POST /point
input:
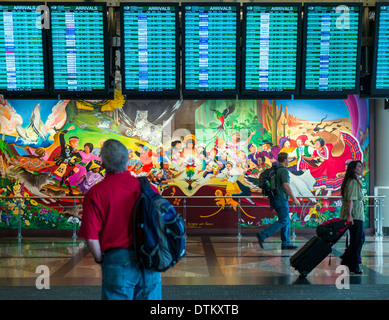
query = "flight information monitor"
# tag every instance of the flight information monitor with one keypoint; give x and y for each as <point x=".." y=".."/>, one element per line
<point x="211" y="42"/>
<point x="79" y="50"/>
<point x="150" y="50"/>
<point x="22" y="50"/>
<point x="331" y="50"/>
<point x="380" y="70"/>
<point x="271" y="49"/>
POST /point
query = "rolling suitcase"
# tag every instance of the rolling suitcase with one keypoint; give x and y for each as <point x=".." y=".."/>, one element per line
<point x="310" y="255"/>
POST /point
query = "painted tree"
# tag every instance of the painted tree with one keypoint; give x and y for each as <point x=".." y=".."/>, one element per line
<point x="272" y="115"/>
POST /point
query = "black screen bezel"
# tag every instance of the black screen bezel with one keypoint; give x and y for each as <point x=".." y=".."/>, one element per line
<point x="93" y="94"/>
<point x="308" y="93"/>
<point x="199" y="94"/>
<point x="34" y="93"/>
<point x="140" y="94"/>
<point x="268" y="94"/>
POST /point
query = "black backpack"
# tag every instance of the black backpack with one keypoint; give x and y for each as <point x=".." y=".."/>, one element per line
<point x="268" y="182"/>
<point x="332" y="230"/>
<point x="159" y="231"/>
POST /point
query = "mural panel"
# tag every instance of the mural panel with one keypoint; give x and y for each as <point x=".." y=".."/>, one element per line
<point x="204" y="150"/>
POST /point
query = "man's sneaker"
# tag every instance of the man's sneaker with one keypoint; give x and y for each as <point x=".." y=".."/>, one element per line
<point x="288" y="247"/>
<point x="260" y="241"/>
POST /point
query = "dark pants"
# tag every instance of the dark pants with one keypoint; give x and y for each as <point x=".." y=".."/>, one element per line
<point x="351" y="256"/>
<point x="283" y="222"/>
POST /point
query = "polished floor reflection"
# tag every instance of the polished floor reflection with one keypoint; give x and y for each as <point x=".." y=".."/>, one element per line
<point x="210" y="261"/>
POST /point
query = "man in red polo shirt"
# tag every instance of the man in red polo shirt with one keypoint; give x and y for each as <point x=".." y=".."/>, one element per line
<point x="107" y="226"/>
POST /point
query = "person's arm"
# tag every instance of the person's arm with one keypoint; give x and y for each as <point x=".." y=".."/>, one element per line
<point x="350" y="212"/>
<point x="91" y="226"/>
<point x="307" y="158"/>
<point x="351" y="194"/>
<point x="95" y="249"/>
<point x="289" y="192"/>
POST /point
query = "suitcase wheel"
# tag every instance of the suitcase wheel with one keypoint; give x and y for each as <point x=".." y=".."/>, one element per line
<point x="303" y="274"/>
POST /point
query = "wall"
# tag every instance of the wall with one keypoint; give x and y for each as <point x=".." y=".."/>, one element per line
<point x="239" y="131"/>
<point x="382" y="154"/>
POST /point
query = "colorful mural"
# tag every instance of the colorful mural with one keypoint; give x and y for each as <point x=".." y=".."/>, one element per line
<point x="206" y="150"/>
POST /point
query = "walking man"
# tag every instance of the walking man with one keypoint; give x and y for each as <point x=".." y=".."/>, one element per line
<point x="279" y="204"/>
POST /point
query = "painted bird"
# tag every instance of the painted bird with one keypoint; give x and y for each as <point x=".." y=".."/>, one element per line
<point x="222" y="116"/>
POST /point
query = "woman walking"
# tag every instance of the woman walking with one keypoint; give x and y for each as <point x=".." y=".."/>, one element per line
<point x="353" y="211"/>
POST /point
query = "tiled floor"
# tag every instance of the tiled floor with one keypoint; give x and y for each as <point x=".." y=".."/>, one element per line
<point x="210" y="261"/>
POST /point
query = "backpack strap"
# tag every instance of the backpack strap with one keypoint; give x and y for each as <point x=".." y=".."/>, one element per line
<point x="144" y="182"/>
<point x="135" y="227"/>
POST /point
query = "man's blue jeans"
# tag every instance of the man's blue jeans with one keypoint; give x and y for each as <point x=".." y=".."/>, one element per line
<point x="123" y="280"/>
<point x="283" y="222"/>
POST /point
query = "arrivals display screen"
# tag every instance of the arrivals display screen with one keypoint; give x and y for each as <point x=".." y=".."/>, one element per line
<point x="22" y="50"/>
<point x="210" y="42"/>
<point x="79" y="50"/>
<point x="271" y="49"/>
<point x="331" y="49"/>
<point x="150" y="50"/>
<point x="380" y="70"/>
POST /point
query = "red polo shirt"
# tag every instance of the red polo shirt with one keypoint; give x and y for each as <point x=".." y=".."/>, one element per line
<point x="108" y="211"/>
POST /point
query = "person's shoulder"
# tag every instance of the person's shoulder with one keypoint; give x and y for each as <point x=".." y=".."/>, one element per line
<point x="353" y="183"/>
<point x="280" y="168"/>
<point x="131" y="179"/>
<point x="282" y="172"/>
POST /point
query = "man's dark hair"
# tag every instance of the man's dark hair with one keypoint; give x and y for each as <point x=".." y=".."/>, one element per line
<point x="282" y="156"/>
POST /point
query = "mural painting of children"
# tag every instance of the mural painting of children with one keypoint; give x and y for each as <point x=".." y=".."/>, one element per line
<point x="91" y="177"/>
<point x="87" y="156"/>
<point x="242" y="161"/>
<point x="322" y="168"/>
<point x="133" y="165"/>
<point x="145" y="156"/>
<point x="252" y="159"/>
<point x="189" y="150"/>
<point x="236" y="144"/>
<point x="66" y="156"/>
<point x="167" y="174"/>
<point x="302" y="150"/>
<point x="161" y="156"/>
<point x="287" y="148"/>
<point x="269" y="151"/>
<point x="234" y="186"/>
<point x="203" y="160"/>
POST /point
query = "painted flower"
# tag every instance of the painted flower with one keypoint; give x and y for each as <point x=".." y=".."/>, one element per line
<point x="27" y="222"/>
<point x="326" y="203"/>
<point x="5" y="217"/>
<point x="11" y="205"/>
<point x="338" y="203"/>
<point x="73" y="220"/>
<point x="324" y="209"/>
